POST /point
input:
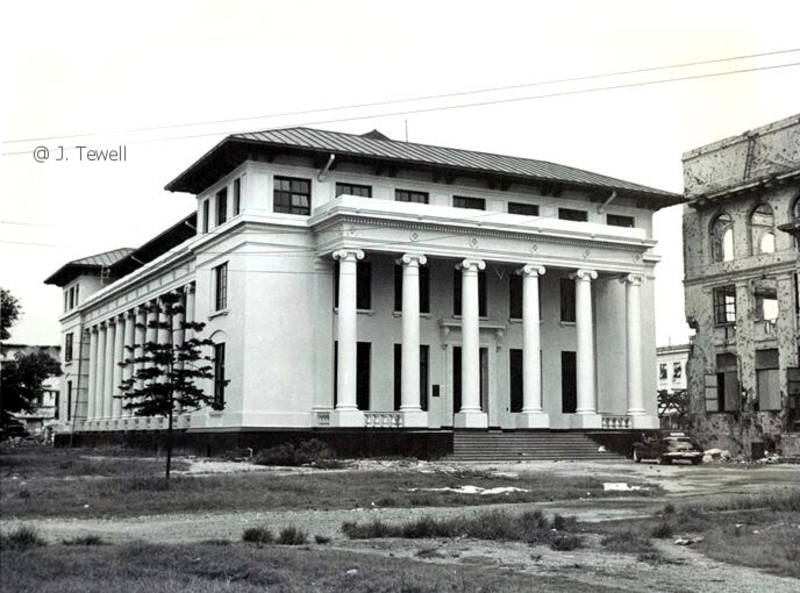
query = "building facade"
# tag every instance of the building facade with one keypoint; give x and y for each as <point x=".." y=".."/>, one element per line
<point x="741" y="283"/>
<point x="354" y="282"/>
<point x="47" y="407"/>
<point x="671" y="362"/>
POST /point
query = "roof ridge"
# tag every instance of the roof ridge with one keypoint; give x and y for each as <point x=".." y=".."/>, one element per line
<point x="128" y="249"/>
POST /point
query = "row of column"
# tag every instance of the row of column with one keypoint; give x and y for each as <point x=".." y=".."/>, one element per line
<point x="470" y="415"/>
<point x="120" y="338"/>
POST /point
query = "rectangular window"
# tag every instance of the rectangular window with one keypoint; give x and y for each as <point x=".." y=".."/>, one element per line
<point x="482" y="293"/>
<point x="206" y="211"/>
<point x="66" y="301"/>
<point x="292" y="196"/>
<point x="514" y="296"/>
<point x="424" y="289"/>
<point x="570" y="214"/>
<point x="363" y="285"/>
<point x="662" y="371"/>
<point x="351" y="189"/>
<point x="725" y="304"/>
<point x="221" y="287"/>
<point x="222" y="205"/>
<point x="728" y="391"/>
<point x="469" y="203"/>
<point x="567" y="291"/>
<point x="522" y="208"/>
<point x="69" y="400"/>
<point x="71" y="298"/>
<point x="515" y="379"/>
<point x="404" y="195"/>
<point x="68" y="348"/>
<point x="219" y="376"/>
<point x="569" y="382"/>
<point x="766" y="305"/>
<point x="57" y="405"/>
<point x="424" y="363"/>
<point x="237" y="196"/>
<point x="363" y="371"/>
<point x="618" y="220"/>
<point x="677" y="371"/>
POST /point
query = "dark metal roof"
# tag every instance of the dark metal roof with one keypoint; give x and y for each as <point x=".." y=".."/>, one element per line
<point x="371" y="148"/>
<point x="158" y="245"/>
<point x="69" y="271"/>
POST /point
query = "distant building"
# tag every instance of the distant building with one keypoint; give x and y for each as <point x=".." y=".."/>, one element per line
<point x="47" y="408"/>
<point x="741" y="283"/>
<point x="671" y="367"/>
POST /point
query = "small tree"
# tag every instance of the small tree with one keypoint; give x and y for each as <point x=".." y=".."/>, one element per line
<point x="10" y="310"/>
<point x="166" y="373"/>
<point x="22" y="382"/>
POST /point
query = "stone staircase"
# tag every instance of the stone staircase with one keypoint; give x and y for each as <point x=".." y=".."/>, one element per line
<point x="526" y="446"/>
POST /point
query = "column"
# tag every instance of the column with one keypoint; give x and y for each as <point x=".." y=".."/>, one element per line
<point x="92" y="373"/>
<point x="413" y="416"/>
<point x="533" y="415"/>
<point x="584" y="324"/>
<point x="109" y="370"/>
<point x="178" y="331"/>
<point x="130" y="342"/>
<point x="140" y="338"/>
<point x="189" y="334"/>
<point x="100" y="382"/>
<point x="633" y="283"/>
<point x="470" y="415"/>
<point x="119" y="356"/>
<point x="347" y="412"/>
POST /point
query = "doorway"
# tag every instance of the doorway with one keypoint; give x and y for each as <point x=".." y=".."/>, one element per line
<point x="483" y="380"/>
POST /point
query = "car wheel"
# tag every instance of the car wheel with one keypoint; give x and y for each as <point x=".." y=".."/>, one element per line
<point x="663" y="460"/>
<point x="636" y="457"/>
<point x="697" y="461"/>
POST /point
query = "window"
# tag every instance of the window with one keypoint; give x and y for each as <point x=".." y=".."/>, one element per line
<point x="722" y="238"/>
<point x="766" y="305"/>
<point x="515" y="296"/>
<point x="424" y="363"/>
<point x="205" y="216"/>
<point x="662" y="371"/>
<point x="77" y="287"/>
<point x="469" y="203"/>
<point x="725" y="304"/>
<point x="567" y="293"/>
<point x="768" y="390"/>
<point x="570" y="214"/>
<point x="728" y="390"/>
<point x="524" y="209"/>
<point x="404" y="195"/>
<point x="219" y="376"/>
<point x="222" y="205"/>
<point x="292" y="196"/>
<point x="351" y="189"/>
<point x="221" y="287"/>
<point x="424" y="289"/>
<point x="363" y="285"/>
<point x="66" y="301"/>
<point x="762" y="232"/>
<point x="482" y="297"/>
<point x="68" y="348"/>
<point x="237" y="196"/>
<point x="69" y="400"/>
<point x="618" y="220"/>
<point x="677" y="371"/>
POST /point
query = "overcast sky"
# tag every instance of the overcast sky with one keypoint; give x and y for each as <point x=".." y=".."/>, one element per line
<point x="73" y="68"/>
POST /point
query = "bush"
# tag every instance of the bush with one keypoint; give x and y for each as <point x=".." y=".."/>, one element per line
<point x="322" y="539"/>
<point x="257" y="535"/>
<point x="669" y="509"/>
<point x="292" y="536"/>
<point x="313" y="452"/>
<point x="85" y="540"/>
<point x="20" y="540"/>
<point x="561" y="523"/>
<point x="565" y="542"/>
<point x="662" y="531"/>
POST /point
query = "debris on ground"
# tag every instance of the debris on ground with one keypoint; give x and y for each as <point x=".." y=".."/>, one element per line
<point x="472" y="490"/>
<point x="688" y="541"/>
<point x="621" y="487"/>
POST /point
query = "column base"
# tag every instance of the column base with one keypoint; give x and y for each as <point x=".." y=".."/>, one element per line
<point x="471" y="420"/>
<point x="586" y="420"/>
<point x="533" y="420"/>
<point x="348" y="418"/>
<point x="644" y="421"/>
<point x="414" y="418"/>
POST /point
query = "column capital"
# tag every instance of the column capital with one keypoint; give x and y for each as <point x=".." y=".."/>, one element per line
<point x="94" y="329"/>
<point x="471" y="265"/>
<point x="585" y="275"/>
<point x="412" y="259"/>
<point x="189" y="288"/>
<point x="531" y="270"/>
<point x="632" y="279"/>
<point x="348" y="254"/>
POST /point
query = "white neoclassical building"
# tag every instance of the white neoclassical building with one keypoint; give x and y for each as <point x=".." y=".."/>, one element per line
<point x="359" y="284"/>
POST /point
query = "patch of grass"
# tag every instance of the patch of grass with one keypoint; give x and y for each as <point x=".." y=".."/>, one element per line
<point x="634" y="543"/>
<point x="84" y="540"/>
<point x="292" y="536"/>
<point x="313" y="451"/>
<point x="258" y="535"/>
<point x="21" y="539"/>
<point x="566" y="542"/>
<point x="662" y="530"/>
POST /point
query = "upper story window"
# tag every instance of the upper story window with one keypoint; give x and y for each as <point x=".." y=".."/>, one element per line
<point x="292" y="196"/>
<point x="363" y="285"/>
<point x="677" y="371"/>
<point x="762" y="231"/>
<point x="405" y="195"/>
<point x="221" y="287"/>
<point x="662" y="371"/>
<point x="68" y="347"/>
<point x="722" y="238"/>
<point x="618" y="220"/>
<point x="570" y="214"/>
<point x="766" y="305"/>
<point x="567" y="297"/>
<point x="237" y="196"/>
<point x="482" y="294"/>
<point x="222" y="205"/>
<point x="351" y="189"/>
<point x="71" y="297"/>
<point x="725" y="304"/>
<point x="206" y="210"/>
<point x="424" y="289"/>
<point x="469" y="203"/>
<point x="219" y="376"/>
<point x="522" y="208"/>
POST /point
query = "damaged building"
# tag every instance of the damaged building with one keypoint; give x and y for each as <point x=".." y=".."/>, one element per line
<point x="741" y="283"/>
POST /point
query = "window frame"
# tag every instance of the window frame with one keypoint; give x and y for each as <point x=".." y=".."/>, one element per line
<point x="206" y="210"/>
<point x="290" y="193"/>
<point x="68" y="347"/>
<point x="568" y="307"/>
<point x="724" y="308"/>
<point x="341" y="185"/>
<point x="411" y="196"/>
<point x="220" y="287"/>
<point x="237" y="196"/>
<point x="469" y="203"/>
<point x="219" y="376"/>
<point x="621" y="220"/>
<point x="221" y="202"/>
<point x="573" y="214"/>
<point x="520" y="206"/>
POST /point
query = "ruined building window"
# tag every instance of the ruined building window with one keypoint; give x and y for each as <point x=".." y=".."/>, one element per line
<point x="725" y="304"/>
<point x="728" y="391"/>
<point x="662" y="371"/>
<point x="677" y="371"/>
<point x="722" y="238"/>
<point x="762" y="232"/>
<point x="766" y="305"/>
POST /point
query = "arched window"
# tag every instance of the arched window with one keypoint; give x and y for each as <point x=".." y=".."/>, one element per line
<point x="722" y="238"/>
<point x="762" y="231"/>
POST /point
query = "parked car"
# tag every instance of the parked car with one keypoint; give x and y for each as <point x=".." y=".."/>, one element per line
<point x="667" y="448"/>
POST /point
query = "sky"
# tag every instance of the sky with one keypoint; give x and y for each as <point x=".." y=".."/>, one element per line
<point x="171" y="79"/>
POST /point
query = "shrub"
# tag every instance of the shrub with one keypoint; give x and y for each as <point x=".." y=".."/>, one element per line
<point x="564" y="542"/>
<point x="21" y="539"/>
<point x="669" y="509"/>
<point x="561" y="523"/>
<point x="322" y="539"/>
<point x="84" y="540"/>
<point x="257" y="535"/>
<point x="626" y="542"/>
<point x="292" y="536"/>
<point x="534" y="520"/>
<point x="662" y="531"/>
<point x="313" y="451"/>
<point x="374" y="529"/>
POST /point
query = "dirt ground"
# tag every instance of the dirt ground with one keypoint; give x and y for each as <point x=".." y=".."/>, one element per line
<point x="691" y="571"/>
